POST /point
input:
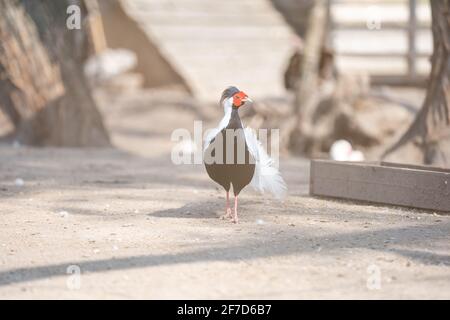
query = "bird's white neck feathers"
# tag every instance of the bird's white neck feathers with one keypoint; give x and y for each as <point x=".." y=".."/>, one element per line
<point x="227" y="109"/>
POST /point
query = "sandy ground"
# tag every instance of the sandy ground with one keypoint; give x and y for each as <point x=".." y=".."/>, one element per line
<point x="138" y="226"/>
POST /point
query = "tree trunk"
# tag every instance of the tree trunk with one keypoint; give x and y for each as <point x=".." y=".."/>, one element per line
<point x="307" y="91"/>
<point x="428" y="138"/>
<point x="43" y="91"/>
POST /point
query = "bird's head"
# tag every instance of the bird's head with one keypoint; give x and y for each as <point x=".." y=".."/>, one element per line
<point x="238" y="98"/>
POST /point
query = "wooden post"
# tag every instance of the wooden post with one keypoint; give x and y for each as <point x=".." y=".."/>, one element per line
<point x="306" y="94"/>
<point x="96" y="30"/>
<point x="329" y="22"/>
<point x="412" y="39"/>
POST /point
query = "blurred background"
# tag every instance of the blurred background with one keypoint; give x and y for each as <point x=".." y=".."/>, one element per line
<point x="324" y="72"/>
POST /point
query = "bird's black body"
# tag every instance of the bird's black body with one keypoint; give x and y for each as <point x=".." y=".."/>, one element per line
<point x="225" y="173"/>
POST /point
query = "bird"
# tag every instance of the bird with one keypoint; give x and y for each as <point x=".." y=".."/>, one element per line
<point x="233" y="156"/>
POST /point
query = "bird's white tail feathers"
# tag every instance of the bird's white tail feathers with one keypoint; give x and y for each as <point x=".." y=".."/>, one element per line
<point x="267" y="178"/>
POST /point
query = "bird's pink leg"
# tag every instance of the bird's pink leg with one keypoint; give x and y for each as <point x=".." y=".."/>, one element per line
<point x="227" y="208"/>
<point x="235" y="216"/>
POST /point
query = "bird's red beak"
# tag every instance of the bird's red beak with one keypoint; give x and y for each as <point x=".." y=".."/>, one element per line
<point x="247" y="99"/>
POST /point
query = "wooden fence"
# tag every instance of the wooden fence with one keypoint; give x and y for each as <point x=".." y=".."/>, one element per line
<point x="411" y="26"/>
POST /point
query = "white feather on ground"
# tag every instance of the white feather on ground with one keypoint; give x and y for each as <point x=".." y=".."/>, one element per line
<point x="267" y="178"/>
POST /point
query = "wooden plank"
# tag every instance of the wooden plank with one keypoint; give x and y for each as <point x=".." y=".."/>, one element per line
<point x="412" y="166"/>
<point x="403" y="185"/>
<point x="386" y="54"/>
<point x="369" y="2"/>
<point x="413" y="75"/>
<point x="417" y="81"/>
<point x="412" y="38"/>
<point x="390" y="25"/>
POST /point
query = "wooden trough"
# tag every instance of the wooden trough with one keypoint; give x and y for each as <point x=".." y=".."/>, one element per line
<point x="422" y="187"/>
